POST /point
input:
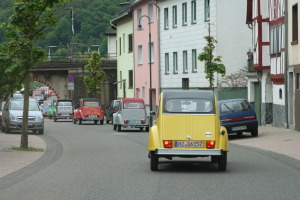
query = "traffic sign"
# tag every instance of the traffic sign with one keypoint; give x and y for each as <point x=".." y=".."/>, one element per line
<point x="70" y="79"/>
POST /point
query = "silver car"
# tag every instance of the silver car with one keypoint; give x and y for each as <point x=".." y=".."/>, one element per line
<point x="12" y="116"/>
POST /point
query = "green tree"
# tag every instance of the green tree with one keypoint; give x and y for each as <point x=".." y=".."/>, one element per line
<point x="213" y="64"/>
<point x="24" y="27"/>
<point x="97" y="75"/>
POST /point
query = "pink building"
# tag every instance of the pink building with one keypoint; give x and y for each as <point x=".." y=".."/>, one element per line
<point x="143" y="12"/>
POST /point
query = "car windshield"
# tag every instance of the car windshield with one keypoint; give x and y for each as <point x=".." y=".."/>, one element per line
<point x="18" y="105"/>
<point x="91" y="103"/>
<point x="234" y="106"/>
<point x="37" y="94"/>
<point x="134" y="105"/>
<point x="189" y="105"/>
<point x="66" y="103"/>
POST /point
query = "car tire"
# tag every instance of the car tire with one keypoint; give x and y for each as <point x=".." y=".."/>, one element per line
<point x="55" y="119"/>
<point x="80" y="121"/>
<point x="153" y="161"/>
<point x="119" y="128"/>
<point x="41" y="131"/>
<point x="34" y="132"/>
<point x="214" y="159"/>
<point x="115" y="127"/>
<point x="107" y="121"/>
<point x="6" y="129"/>
<point x="101" y="122"/>
<point x="74" y="121"/>
<point x="2" y="128"/>
<point x="222" y="161"/>
<point x="239" y="133"/>
<point x="141" y="129"/>
<point x="147" y="129"/>
<point x="50" y="117"/>
<point x="95" y="121"/>
<point x="254" y="133"/>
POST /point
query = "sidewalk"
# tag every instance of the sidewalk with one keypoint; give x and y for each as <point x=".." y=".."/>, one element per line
<point x="13" y="160"/>
<point x="279" y="140"/>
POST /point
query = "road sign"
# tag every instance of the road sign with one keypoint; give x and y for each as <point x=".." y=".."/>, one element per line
<point x="70" y="86"/>
<point x="70" y="79"/>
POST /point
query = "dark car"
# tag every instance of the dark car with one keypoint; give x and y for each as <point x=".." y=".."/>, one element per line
<point x="113" y="107"/>
<point x="238" y="116"/>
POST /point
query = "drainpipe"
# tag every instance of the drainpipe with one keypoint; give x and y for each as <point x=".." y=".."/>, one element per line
<point x="158" y="28"/>
<point x="286" y="64"/>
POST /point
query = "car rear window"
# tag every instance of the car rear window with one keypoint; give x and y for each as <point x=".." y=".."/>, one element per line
<point x="65" y="103"/>
<point x="189" y="105"/>
<point x="134" y="105"/>
<point x="234" y="106"/>
<point x="91" y="103"/>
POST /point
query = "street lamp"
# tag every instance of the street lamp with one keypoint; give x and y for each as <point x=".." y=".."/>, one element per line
<point x="150" y="61"/>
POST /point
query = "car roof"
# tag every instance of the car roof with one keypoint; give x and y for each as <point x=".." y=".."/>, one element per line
<point x="167" y="94"/>
<point x="135" y="100"/>
<point x="229" y="100"/>
<point x="90" y="99"/>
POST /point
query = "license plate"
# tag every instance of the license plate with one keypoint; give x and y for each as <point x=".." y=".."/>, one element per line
<point x="239" y="128"/>
<point x="134" y="121"/>
<point x="189" y="144"/>
<point x="93" y="116"/>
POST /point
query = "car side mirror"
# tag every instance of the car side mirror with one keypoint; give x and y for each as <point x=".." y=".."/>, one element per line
<point x="152" y="113"/>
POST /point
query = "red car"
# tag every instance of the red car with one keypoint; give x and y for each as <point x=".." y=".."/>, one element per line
<point x="89" y="109"/>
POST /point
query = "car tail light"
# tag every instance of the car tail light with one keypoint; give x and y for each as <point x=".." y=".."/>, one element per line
<point x="168" y="143"/>
<point x="210" y="144"/>
<point x="225" y="120"/>
<point x="98" y="115"/>
<point x="71" y="114"/>
<point x="143" y="121"/>
<point x="115" y="110"/>
<point x="125" y="121"/>
<point x="86" y="115"/>
<point x="59" y="114"/>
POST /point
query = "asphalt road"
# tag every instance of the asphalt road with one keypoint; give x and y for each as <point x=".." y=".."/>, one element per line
<point x="88" y="162"/>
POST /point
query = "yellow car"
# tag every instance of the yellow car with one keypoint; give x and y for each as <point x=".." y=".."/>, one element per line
<point x="188" y="125"/>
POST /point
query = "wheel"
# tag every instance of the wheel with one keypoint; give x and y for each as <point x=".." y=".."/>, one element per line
<point x="214" y="159"/>
<point x="107" y="121"/>
<point x="141" y="129"/>
<point x="74" y="121"/>
<point x="101" y="122"/>
<point x="55" y="119"/>
<point x="254" y="133"/>
<point x="41" y="132"/>
<point x="153" y="161"/>
<point x="95" y="121"/>
<point x="50" y="117"/>
<point x="80" y="121"/>
<point x="239" y="133"/>
<point x="6" y="129"/>
<point x="119" y="128"/>
<point x="34" y="131"/>
<point x="222" y="161"/>
<point x="147" y="129"/>
<point x="115" y="127"/>
<point x="2" y="128"/>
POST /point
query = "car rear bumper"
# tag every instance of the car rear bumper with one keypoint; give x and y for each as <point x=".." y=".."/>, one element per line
<point x="134" y="125"/>
<point x="249" y="127"/>
<point x="64" y="117"/>
<point x="92" y="119"/>
<point x="188" y="152"/>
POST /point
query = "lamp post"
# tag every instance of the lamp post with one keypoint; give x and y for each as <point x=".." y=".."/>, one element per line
<point x="150" y="62"/>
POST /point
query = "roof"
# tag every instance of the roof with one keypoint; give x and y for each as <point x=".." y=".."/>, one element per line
<point x="110" y="32"/>
<point x="135" y="100"/>
<point x="208" y="94"/>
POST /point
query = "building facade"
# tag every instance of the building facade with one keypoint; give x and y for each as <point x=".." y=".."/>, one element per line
<point x="266" y="90"/>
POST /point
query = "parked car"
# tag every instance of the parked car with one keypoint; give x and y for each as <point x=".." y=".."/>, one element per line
<point x="113" y="107"/>
<point x="18" y="96"/>
<point x="13" y="115"/>
<point x="187" y="125"/>
<point x="64" y="109"/>
<point x="131" y="114"/>
<point x="238" y="116"/>
<point x="1" y="108"/>
<point x="52" y="109"/>
<point x="39" y="97"/>
<point x="89" y="109"/>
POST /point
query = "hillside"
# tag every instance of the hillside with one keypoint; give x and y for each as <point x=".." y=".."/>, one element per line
<point x="91" y="20"/>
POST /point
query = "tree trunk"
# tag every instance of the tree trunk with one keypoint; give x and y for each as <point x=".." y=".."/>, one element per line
<point x="24" y="135"/>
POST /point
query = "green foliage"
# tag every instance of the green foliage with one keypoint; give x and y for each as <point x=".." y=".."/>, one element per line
<point x="97" y="75"/>
<point x="213" y="64"/>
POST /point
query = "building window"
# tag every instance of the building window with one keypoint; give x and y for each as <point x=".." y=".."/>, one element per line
<point x="123" y="43"/>
<point x="275" y="39"/>
<point x="194" y="14"/>
<point x="150" y="11"/>
<point x="194" y="60"/>
<point x="139" y="15"/>
<point x="184" y="14"/>
<point x="166" y="18"/>
<point x="206" y="10"/>
<point x="130" y="43"/>
<point x="175" y="63"/>
<point x="295" y="24"/>
<point x="140" y="54"/>
<point x="151" y="49"/>
<point x="120" y="46"/>
<point x="121" y="82"/>
<point x="166" y="63"/>
<point x="185" y="62"/>
<point x="130" y="77"/>
<point x="174" y="11"/>
<point x="280" y="93"/>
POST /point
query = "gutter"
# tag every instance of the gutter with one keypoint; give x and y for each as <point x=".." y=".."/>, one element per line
<point x="158" y="28"/>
